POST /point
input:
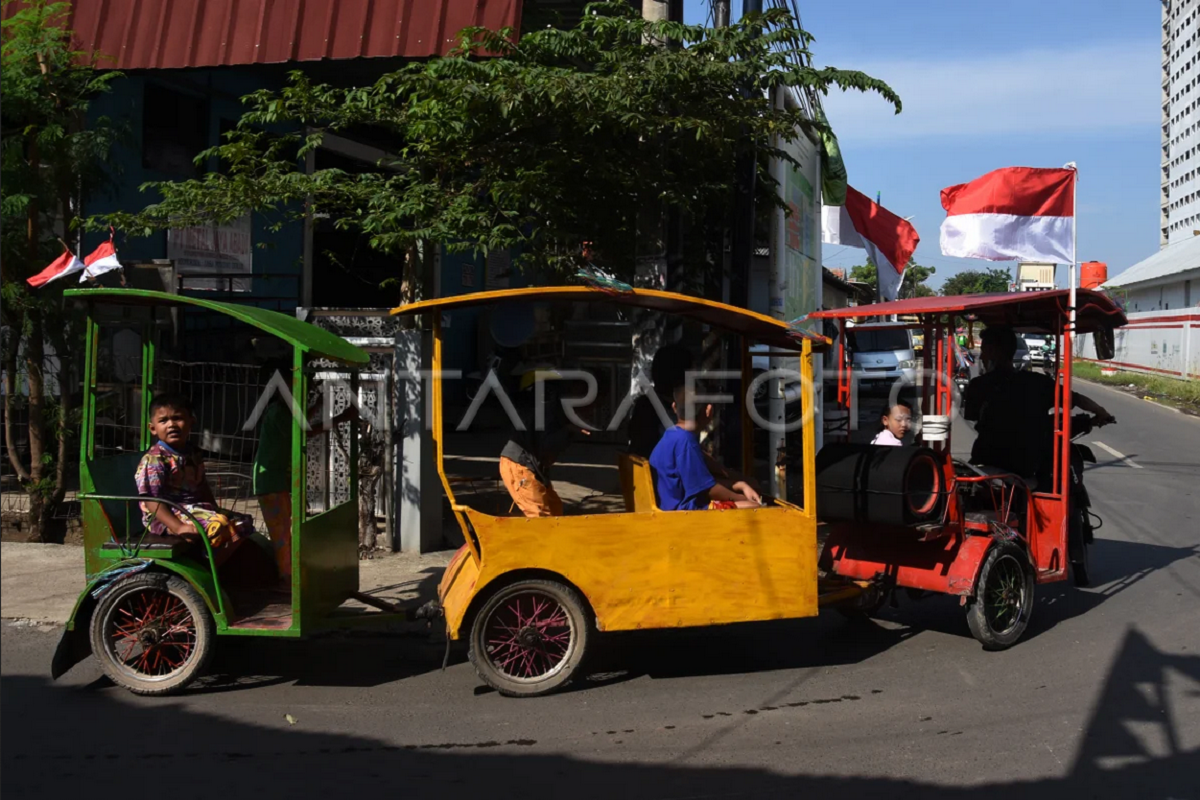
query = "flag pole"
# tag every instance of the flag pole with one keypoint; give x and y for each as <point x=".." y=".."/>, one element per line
<point x="1074" y="246"/>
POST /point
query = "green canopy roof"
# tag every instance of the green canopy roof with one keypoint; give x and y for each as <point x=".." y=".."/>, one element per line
<point x="306" y="336"/>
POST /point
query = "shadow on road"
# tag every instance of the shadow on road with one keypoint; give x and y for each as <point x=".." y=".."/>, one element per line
<point x="375" y="659"/>
<point x="1176" y="467"/>
<point x="747" y="648"/>
<point x="62" y="742"/>
<point x="1115" y="566"/>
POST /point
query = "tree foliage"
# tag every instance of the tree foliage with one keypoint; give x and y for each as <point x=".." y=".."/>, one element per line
<point x="50" y="161"/>
<point x="978" y="282"/>
<point x="532" y="145"/>
<point x="913" y="285"/>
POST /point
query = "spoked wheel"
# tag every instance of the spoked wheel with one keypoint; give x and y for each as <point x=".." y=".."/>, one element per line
<point x="530" y="638"/>
<point x="152" y="634"/>
<point x="1003" y="602"/>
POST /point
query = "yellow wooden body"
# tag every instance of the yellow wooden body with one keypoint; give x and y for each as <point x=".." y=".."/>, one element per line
<point x="654" y="569"/>
<point x="646" y="568"/>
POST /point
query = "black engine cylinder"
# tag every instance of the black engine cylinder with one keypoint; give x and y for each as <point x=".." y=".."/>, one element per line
<point x="881" y="485"/>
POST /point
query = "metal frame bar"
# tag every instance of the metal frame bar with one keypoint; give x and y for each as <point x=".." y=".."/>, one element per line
<point x="299" y="471"/>
<point x="747" y="365"/>
<point x="148" y="357"/>
<point x="87" y="444"/>
<point x="807" y="409"/>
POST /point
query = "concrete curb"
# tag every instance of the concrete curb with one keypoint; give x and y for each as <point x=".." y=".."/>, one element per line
<point x="1134" y="396"/>
<point x="41" y="582"/>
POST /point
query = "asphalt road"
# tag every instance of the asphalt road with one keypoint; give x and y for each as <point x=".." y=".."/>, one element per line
<point x="1102" y="698"/>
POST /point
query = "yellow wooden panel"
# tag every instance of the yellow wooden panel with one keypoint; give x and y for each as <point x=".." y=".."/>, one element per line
<point x="658" y="569"/>
<point x="637" y="482"/>
<point x="458" y="587"/>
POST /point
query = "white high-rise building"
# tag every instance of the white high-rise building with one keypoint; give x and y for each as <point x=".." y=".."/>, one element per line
<point x="1181" y="120"/>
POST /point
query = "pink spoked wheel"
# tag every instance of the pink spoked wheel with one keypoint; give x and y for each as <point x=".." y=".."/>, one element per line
<point x="152" y="633"/>
<point x="530" y="638"/>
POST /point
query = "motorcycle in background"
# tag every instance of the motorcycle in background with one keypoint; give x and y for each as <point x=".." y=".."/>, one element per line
<point x="1082" y="522"/>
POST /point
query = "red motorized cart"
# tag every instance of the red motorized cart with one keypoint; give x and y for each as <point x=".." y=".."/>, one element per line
<point x="920" y="519"/>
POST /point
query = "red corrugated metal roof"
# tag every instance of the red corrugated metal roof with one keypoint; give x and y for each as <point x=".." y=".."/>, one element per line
<point x="1023" y="309"/>
<point x="173" y="34"/>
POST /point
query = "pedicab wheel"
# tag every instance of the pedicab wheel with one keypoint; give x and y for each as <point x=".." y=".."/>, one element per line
<point x="1079" y="534"/>
<point x="152" y="634"/>
<point x="1003" y="602"/>
<point x="530" y="638"/>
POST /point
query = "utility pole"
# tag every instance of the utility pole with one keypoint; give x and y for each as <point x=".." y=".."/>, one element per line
<point x="741" y="253"/>
<point x="662" y="267"/>
<point x="742" y="245"/>
<point x="656" y="10"/>
<point x="720" y="13"/>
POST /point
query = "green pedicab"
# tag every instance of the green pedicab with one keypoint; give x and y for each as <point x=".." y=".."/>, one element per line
<point x="154" y="606"/>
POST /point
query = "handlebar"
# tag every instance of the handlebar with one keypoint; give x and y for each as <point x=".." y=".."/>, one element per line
<point x="1083" y="424"/>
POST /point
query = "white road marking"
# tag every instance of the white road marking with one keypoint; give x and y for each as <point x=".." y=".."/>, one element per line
<point x="1119" y="456"/>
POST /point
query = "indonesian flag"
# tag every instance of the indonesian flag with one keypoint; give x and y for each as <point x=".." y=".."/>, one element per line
<point x="103" y="259"/>
<point x="64" y="265"/>
<point x="889" y="240"/>
<point x="1012" y="214"/>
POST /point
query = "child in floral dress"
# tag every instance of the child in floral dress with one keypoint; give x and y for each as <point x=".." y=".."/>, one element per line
<point x="173" y="469"/>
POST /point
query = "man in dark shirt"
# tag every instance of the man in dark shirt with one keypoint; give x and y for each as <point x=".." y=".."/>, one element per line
<point x="1012" y="410"/>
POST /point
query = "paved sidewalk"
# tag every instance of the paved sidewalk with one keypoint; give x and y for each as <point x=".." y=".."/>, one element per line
<point x="40" y="582"/>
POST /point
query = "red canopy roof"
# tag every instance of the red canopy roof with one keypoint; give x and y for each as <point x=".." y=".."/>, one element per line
<point x="1025" y="310"/>
<point x="172" y="34"/>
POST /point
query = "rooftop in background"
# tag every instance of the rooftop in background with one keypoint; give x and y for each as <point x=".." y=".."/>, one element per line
<point x="209" y="33"/>
<point x="1174" y="259"/>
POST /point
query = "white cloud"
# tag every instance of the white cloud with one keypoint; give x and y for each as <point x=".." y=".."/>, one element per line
<point x="1084" y="89"/>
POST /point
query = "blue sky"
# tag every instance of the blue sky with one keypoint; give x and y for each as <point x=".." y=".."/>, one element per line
<point x="988" y="85"/>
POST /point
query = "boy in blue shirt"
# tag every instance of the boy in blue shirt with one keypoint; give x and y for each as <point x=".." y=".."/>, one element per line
<point x="682" y="479"/>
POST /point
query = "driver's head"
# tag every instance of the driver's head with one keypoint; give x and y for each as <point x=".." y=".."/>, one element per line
<point x="689" y="411"/>
<point x="669" y="369"/>
<point x="997" y="345"/>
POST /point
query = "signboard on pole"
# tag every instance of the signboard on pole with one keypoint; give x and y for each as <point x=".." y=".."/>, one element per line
<point x="213" y="250"/>
<point x="795" y="283"/>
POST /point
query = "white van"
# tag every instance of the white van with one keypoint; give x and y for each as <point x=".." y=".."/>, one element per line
<point x="882" y="354"/>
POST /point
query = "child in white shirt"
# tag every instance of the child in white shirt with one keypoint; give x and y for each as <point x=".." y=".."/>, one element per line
<point x="896" y="423"/>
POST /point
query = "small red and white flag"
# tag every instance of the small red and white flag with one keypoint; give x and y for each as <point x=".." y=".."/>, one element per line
<point x="1012" y="214"/>
<point x="66" y="264"/>
<point x="888" y="239"/>
<point x="103" y="259"/>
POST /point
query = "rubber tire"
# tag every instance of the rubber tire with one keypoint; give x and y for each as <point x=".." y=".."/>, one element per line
<point x="976" y="616"/>
<point x="206" y="633"/>
<point x="1077" y="548"/>
<point x="581" y="623"/>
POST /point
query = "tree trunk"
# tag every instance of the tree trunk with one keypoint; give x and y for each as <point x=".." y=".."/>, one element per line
<point x="370" y="472"/>
<point x="408" y="284"/>
<point x="16" y="323"/>
<point x="368" y="532"/>
<point x="35" y="359"/>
